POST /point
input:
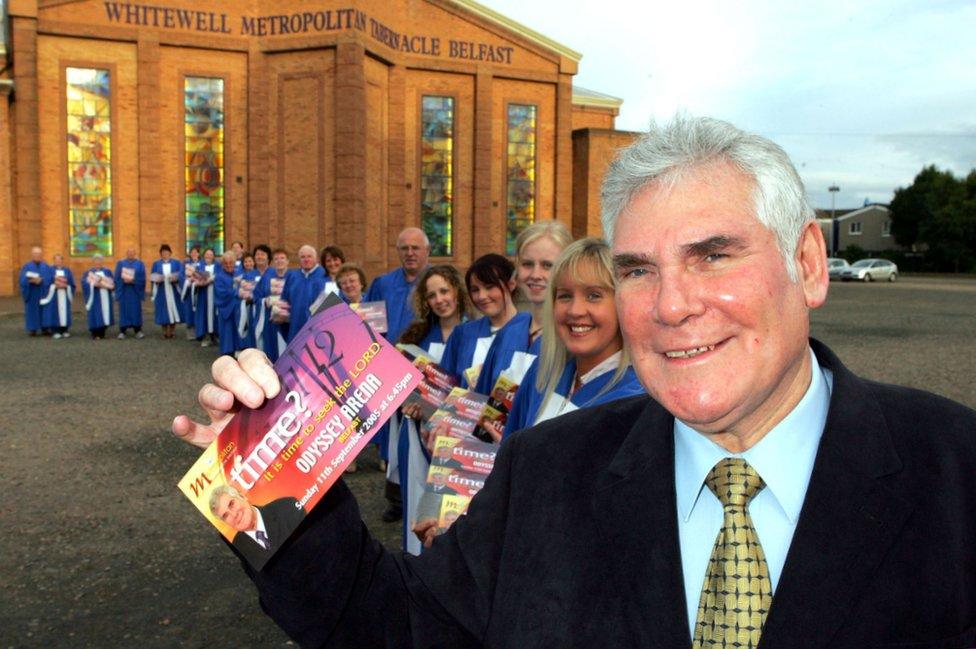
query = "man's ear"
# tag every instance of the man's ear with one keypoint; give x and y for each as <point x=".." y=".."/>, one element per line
<point x="811" y="264"/>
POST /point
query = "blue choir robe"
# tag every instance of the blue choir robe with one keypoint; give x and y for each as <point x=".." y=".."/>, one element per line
<point x="34" y="293"/>
<point x="98" y="301"/>
<point x="130" y="296"/>
<point x="510" y="340"/>
<point x="394" y="289"/>
<point x="412" y="458"/>
<point x="300" y="291"/>
<point x="166" y="294"/>
<point x="528" y="399"/>
<point x="245" y="316"/>
<point x="57" y="303"/>
<point x="205" y="314"/>
<point x="228" y="306"/>
<point x="270" y="336"/>
<point x="460" y="352"/>
<point x="187" y="297"/>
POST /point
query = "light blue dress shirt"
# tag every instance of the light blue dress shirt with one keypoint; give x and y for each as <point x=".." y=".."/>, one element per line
<point x="783" y="458"/>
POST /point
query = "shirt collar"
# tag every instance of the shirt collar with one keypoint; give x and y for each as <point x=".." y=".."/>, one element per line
<point x="606" y="365"/>
<point x="783" y="457"/>
<point x="259" y="527"/>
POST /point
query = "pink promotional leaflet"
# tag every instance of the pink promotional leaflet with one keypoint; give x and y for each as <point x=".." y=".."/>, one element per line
<point x="341" y="381"/>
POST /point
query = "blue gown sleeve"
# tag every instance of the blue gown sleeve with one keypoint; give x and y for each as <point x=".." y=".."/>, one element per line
<point x="24" y="284"/>
<point x="140" y="281"/>
<point x="522" y="411"/>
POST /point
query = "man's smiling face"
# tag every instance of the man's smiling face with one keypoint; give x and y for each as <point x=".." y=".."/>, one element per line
<point x="717" y="330"/>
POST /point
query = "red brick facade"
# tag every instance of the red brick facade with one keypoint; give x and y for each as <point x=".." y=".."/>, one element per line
<point x="322" y="120"/>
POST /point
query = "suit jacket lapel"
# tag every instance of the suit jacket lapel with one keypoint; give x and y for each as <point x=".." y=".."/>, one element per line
<point x="635" y="500"/>
<point x="849" y="518"/>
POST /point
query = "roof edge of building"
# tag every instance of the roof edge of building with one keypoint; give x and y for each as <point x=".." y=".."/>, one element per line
<point x="525" y="32"/>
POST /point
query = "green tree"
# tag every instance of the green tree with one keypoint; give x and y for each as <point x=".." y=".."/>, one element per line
<point x="917" y="203"/>
<point x="938" y="211"/>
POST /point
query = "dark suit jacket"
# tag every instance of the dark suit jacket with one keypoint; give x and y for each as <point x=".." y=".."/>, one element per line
<point x="573" y="542"/>
<point x="280" y="519"/>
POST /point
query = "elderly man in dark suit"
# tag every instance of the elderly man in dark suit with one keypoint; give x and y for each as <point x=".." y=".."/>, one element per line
<point x="761" y="495"/>
<point x="261" y="530"/>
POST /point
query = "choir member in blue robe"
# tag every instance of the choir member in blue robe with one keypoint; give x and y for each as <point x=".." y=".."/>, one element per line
<point x="245" y="290"/>
<point x="441" y="304"/>
<point x="166" y="277"/>
<point x="237" y="248"/>
<point x="490" y="283"/>
<point x="394" y="287"/>
<point x="33" y="289"/>
<point x="57" y="302"/>
<point x="130" y="291"/>
<point x="331" y="258"/>
<point x="302" y="287"/>
<point x="582" y="360"/>
<point x="537" y="248"/>
<point x="205" y="314"/>
<point x="271" y="336"/>
<point x="227" y="303"/>
<point x="187" y="296"/>
<point x="510" y="342"/>
<point x="351" y="279"/>
<point x="97" y="288"/>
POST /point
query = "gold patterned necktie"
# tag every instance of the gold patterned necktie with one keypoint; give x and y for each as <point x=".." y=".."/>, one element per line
<point x="737" y="593"/>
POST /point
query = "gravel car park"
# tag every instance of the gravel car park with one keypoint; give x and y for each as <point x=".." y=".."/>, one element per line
<point x="871" y="270"/>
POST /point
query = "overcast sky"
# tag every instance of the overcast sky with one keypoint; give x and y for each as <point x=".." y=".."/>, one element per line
<point x="861" y="94"/>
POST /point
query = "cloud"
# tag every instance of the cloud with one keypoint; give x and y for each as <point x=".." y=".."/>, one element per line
<point x="859" y="93"/>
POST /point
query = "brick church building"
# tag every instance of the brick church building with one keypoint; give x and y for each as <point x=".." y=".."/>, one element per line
<point x="127" y="125"/>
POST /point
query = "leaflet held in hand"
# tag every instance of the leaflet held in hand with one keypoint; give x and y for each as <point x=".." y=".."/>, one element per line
<point x="341" y="381"/>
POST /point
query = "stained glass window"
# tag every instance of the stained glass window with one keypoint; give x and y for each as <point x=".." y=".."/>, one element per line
<point x="521" y="172"/>
<point x="203" y="100"/>
<point x="437" y="172"/>
<point x="89" y="161"/>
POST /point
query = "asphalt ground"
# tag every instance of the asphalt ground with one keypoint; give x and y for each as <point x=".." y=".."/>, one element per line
<point x="99" y="548"/>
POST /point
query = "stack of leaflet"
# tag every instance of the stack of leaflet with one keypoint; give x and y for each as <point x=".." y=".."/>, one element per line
<point x="100" y="280"/>
<point x="246" y="291"/>
<point x="128" y="274"/>
<point x="373" y="313"/>
<point x="436" y="382"/>
<point x="157" y="278"/>
<point x="465" y="414"/>
<point x="457" y="472"/>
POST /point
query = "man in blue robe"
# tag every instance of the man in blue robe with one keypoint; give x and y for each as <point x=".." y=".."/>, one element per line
<point x="130" y="291"/>
<point x="394" y="288"/>
<point x="98" y="297"/>
<point x="227" y="304"/>
<point x="57" y="302"/>
<point x="33" y="288"/>
<point x="302" y="287"/>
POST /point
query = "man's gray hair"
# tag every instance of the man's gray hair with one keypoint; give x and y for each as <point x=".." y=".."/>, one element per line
<point x="222" y="490"/>
<point x="665" y="153"/>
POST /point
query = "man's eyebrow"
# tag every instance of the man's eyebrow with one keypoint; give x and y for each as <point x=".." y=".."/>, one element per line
<point x="712" y="245"/>
<point x="628" y="260"/>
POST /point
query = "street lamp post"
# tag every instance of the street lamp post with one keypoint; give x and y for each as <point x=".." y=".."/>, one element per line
<point x="833" y="189"/>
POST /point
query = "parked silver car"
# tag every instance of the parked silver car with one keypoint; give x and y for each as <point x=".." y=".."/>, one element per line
<point x="870" y="270"/>
<point x="836" y="267"/>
